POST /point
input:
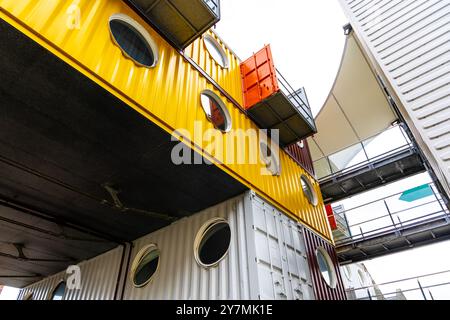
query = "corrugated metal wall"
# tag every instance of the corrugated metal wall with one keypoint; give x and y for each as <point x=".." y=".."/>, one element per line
<point x="180" y="277"/>
<point x="321" y="289"/>
<point x="228" y="78"/>
<point x="409" y="41"/>
<point x="352" y="280"/>
<point x="168" y="95"/>
<point x="266" y="260"/>
<point x="99" y="278"/>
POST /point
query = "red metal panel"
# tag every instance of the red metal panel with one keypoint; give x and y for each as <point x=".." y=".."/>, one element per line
<point x="331" y="218"/>
<point x="302" y="155"/>
<point x="259" y="77"/>
<point x="321" y="289"/>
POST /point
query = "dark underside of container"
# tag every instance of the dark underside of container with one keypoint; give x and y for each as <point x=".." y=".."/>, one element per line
<point x="63" y="137"/>
<point x="180" y="21"/>
<point x="278" y="112"/>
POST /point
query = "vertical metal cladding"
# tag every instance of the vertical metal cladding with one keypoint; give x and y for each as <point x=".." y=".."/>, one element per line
<point x="168" y="94"/>
<point x="228" y="78"/>
<point x="321" y="288"/>
<point x="266" y="259"/>
<point x="180" y="277"/>
<point x="409" y="41"/>
<point x="282" y="269"/>
<point x="99" y="278"/>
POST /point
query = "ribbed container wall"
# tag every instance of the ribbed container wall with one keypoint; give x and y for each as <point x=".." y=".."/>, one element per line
<point x="168" y="95"/>
<point x="99" y="278"/>
<point x="409" y="41"/>
<point x="321" y="288"/>
<point x="180" y="277"/>
<point x="267" y="260"/>
<point x="356" y="276"/>
<point x="228" y="78"/>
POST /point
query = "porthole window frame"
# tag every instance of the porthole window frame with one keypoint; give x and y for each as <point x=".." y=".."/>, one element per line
<point x="145" y="35"/>
<point x="138" y="259"/>
<point x="212" y="95"/>
<point x="331" y="268"/>
<point x="199" y="237"/>
<point x="269" y="159"/>
<point x="315" y="198"/>
<point x="52" y="293"/>
<point x="219" y="48"/>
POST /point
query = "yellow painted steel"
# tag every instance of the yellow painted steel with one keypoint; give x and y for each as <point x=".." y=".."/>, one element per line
<point x="168" y="95"/>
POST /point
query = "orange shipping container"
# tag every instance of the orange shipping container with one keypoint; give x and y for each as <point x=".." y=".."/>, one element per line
<point x="259" y="77"/>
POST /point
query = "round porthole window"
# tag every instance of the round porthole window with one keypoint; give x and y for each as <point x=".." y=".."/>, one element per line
<point x="308" y="191"/>
<point x="134" y="41"/>
<point x="58" y="292"/>
<point x="270" y="159"/>
<point x="216" y="51"/>
<point x="145" y="266"/>
<point x="215" y="111"/>
<point x="326" y="267"/>
<point x="348" y="272"/>
<point x="212" y="242"/>
<point x="361" y="277"/>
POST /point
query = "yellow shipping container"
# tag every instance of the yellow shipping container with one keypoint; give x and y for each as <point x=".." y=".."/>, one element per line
<point x="168" y="94"/>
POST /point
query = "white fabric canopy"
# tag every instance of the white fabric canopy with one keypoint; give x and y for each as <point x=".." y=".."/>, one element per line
<point x="356" y="108"/>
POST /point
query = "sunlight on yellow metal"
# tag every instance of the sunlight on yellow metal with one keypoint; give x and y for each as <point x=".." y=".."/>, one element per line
<point x="168" y="94"/>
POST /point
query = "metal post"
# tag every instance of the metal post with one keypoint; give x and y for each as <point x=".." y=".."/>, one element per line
<point x="421" y="289"/>
<point x="431" y="295"/>
<point x="390" y="215"/>
<point x="368" y="293"/>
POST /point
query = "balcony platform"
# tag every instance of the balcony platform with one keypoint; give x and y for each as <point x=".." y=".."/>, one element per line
<point x="180" y="21"/>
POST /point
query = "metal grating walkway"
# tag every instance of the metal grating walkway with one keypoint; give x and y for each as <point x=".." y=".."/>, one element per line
<point x="380" y="228"/>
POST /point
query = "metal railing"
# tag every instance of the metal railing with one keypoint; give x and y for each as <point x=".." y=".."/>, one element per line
<point x="343" y="160"/>
<point x="391" y="215"/>
<point x="295" y="96"/>
<point x="414" y="288"/>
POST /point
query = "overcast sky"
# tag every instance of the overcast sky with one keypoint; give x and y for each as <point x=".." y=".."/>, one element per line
<point x="306" y="37"/>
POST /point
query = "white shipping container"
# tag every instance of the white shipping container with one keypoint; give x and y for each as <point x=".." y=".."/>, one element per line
<point x="266" y="259"/>
<point x="356" y="276"/>
<point x="409" y="44"/>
